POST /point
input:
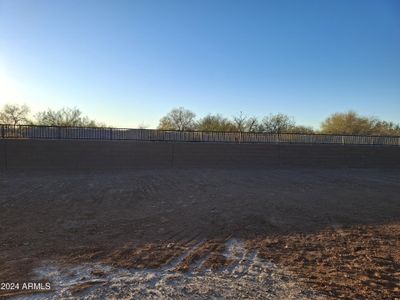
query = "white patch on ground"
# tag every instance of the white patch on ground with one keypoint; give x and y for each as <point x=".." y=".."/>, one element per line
<point x="248" y="277"/>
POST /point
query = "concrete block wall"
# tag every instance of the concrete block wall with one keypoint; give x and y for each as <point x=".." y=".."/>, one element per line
<point x="3" y="159"/>
<point x="213" y="155"/>
<point x="79" y="154"/>
<point x="337" y="156"/>
<point x="103" y="155"/>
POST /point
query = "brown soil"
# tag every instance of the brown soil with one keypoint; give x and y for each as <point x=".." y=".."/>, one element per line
<point x="356" y="262"/>
<point x="79" y="288"/>
<point x="336" y="231"/>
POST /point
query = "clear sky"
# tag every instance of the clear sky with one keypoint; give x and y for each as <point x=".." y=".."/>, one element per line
<point x="130" y="62"/>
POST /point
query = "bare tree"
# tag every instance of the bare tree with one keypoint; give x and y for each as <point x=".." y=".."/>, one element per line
<point x="252" y="124"/>
<point x="278" y="123"/>
<point x="143" y="126"/>
<point x="14" y="114"/>
<point x="244" y="123"/>
<point x="178" y="119"/>
<point x="240" y="121"/>
<point x="64" y="117"/>
<point x="301" y="129"/>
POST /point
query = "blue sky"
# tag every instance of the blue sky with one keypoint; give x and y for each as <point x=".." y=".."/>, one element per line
<point x="130" y="62"/>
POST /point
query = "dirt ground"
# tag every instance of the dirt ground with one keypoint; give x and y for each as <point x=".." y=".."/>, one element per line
<point x="178" y="234"/>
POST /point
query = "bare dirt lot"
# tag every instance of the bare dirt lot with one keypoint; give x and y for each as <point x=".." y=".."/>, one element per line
<point x="174" y="234"/>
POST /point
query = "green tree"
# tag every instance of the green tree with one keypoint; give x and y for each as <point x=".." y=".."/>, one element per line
<point x="386" y="128"/>
<point x="215" y="123"/>
<point x="64" y="117"/>
<point x="14" y="114"/>
<point x="349" y="123"/>
<point x="178" y="119"/>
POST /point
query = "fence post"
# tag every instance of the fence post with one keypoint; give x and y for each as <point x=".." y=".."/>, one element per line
<point x="2" y="131"/>
<point x="111" y="133"/>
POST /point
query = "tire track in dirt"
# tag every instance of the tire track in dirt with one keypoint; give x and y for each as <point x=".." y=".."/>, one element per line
<point x="196" y="271"/>
<point x="134" y="221"/>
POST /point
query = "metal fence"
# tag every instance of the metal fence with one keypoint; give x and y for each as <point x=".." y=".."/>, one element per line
<point x="101" y="133"/>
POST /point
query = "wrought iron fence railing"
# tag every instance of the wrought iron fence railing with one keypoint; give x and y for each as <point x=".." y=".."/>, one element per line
<point x="102" y="133"/>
